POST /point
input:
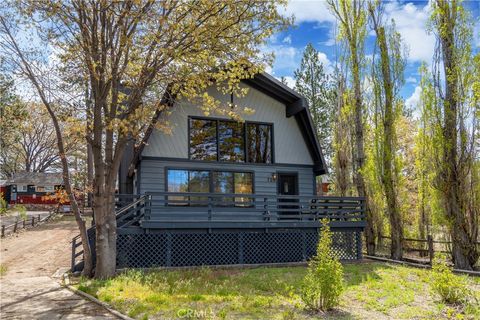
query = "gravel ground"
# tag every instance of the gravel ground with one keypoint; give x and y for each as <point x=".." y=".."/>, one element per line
<point x="30" y="288"/>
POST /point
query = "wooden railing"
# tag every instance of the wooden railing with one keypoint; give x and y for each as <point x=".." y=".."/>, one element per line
<point x="171" y="206"/>
<point x="426" y="248"/>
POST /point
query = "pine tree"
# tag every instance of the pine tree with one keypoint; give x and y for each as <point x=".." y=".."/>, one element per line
<point x="316" y="86"/>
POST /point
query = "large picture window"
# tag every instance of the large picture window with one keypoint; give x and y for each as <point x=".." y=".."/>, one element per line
<point x="230" y="141"/>
<point x="219" y="182"/>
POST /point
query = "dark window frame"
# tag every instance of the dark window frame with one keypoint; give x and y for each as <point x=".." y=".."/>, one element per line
<point x="245" y="144"/>
<point x="211" y="182"/>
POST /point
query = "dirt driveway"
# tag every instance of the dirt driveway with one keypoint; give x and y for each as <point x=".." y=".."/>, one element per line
<point x="30" y="289"/>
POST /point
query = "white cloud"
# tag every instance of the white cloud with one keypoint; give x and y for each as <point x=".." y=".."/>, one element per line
<point x="411" y="23"/>
<point x="309" y="11"/>
<point x="327" y="64"/>
<point x="411" y="80"/>
<point x="412" y="101"/>
<point x="287" y="39"/>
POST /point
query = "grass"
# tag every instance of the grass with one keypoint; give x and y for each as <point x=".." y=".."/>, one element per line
<point x="373" y="291"/>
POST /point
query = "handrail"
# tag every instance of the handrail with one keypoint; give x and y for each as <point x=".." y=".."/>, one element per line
<point x="216" y="207"/>
<point x="131" y="205"/>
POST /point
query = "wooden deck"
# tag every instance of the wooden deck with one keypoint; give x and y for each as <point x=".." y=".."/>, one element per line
<point x="168" y="210"/>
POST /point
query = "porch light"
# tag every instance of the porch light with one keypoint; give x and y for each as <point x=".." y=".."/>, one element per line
<point x="274" y="177"/>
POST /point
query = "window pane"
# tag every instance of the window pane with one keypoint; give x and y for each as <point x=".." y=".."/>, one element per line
<point x="203" y="139"/>
<point x="231" y="138"/>
<point x="199" y="182"/>
<point x="177" y="182"/>
<point x="259" y="144"/>
<point x="244" y="185"/>
<point x="223" y="183"/>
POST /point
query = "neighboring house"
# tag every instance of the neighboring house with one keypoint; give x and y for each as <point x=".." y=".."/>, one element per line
<point x="32" y="187"/>
<point x="215" y="191"/>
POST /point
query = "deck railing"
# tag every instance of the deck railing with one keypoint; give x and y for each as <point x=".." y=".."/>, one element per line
<point x="208" y="207"/>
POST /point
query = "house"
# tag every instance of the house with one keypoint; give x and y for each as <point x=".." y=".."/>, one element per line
<point x="216" y="191"/>
<point x="32" y="187"/>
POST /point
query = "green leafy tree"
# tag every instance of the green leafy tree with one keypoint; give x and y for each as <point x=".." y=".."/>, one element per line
<point x="323" y="283"/>
<point x="454" y="127"/>
<point x="312" y="81"/>
<point x="387" y="76"/>
<point x="137" y="57"/>
<point x="352" y="22"/>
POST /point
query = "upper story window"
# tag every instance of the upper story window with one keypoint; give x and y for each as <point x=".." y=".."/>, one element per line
<point x="259" y="146"/>
<point x="230" y="141"/>
<point x="203" y="139"/>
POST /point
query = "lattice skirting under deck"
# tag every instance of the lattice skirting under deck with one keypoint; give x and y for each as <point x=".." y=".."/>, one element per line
<point x="224" y="248"/>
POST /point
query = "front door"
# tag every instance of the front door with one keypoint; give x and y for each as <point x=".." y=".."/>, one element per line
<point x="287" y="186"/>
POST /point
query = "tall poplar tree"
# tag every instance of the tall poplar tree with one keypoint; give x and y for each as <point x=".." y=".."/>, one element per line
<point x="388" y="76"/>
<point x="352" y="22"/>
<point x="456" y="104"/>
<point x="312" y="81"/>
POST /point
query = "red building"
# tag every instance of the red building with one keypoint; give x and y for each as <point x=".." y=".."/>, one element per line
<point x="32" y="187"/>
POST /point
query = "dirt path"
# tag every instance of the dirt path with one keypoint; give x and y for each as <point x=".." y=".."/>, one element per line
<point x="30" y="289"/>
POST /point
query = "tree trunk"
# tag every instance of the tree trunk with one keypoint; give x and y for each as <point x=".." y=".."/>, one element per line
<point x="359" y="150"/>
<point x="30" y="74"/>
<point x="388" y="176"/>
<point x="464" y="253"/>
<point x="106" y="235"/>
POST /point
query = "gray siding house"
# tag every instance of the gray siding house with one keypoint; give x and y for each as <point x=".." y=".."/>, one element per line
<point x="216" y="191"/>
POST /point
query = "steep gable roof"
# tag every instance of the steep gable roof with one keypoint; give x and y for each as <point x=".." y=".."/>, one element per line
<point x="296" y="106"/>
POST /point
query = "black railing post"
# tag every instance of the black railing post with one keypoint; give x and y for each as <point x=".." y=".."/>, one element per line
<point x="210" y="208"/>
<point x="358" y="235"/>
<point x="265" y="210"/>
<point x="3" y="230"/>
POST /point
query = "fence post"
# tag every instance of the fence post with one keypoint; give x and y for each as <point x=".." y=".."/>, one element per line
<point x="15" y="226"/>
<point x="38" y="220"/>
<point x="3" y="230"/>
<point x="24" y="223"/>
<point x="430" y="247"/>
<point x="33" y="221"/>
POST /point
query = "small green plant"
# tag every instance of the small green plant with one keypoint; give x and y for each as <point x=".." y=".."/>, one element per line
<point x="451" y="288"/>
<point x="3" y="204"/>
<point x="3" y="270"/>
<point x="22" y="211"/>
<point x="323" y="283"/>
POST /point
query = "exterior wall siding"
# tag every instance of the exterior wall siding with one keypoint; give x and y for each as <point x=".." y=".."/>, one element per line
<point x="152" y="174"/>
<point x="289" y="144"/>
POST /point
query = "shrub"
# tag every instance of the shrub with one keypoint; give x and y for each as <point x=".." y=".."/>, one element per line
<point x="451" y="288"/>
<point x="22" y="211"/>
<point x="3" y="204"/>
<point x="323" y="283"/>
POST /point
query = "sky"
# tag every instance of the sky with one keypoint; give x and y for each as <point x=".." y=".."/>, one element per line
<point x="315" y="24"/>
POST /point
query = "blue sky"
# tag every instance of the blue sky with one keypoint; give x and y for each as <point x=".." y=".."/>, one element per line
<point x="315" y="24"/>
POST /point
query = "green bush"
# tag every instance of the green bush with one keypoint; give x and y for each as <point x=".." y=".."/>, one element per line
<point x="451" y="288"/>
<point x="22" y="211"/>
<point x="3" y="204"/>
<point x="323" y="283"/>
